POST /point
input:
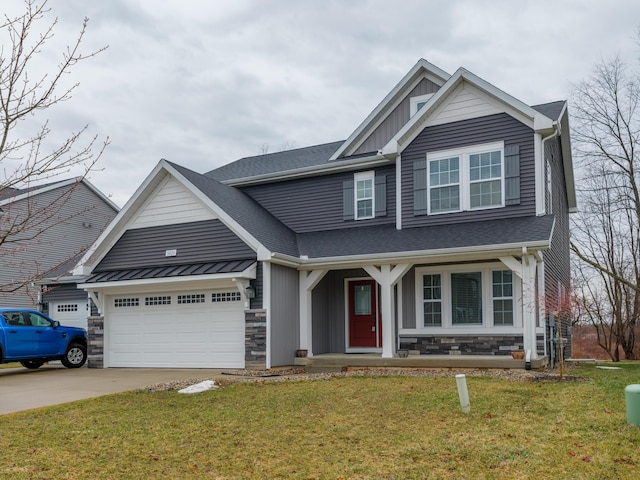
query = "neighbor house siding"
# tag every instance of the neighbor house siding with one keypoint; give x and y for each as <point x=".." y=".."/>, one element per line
<point x="314" y="204"/>
<point x="284" y="330"/>
<point x="76" y="221"/>
<point x="197" y="242"/>
<point x="64" y="292"/>
<point x="396" y="119"/>
<point x="464" y="133"/>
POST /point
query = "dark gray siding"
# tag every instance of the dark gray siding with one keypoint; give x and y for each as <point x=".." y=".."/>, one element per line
<point x="557" y="266"/>
<point x="284" y="315"/>
<point x="196" y="242"/>
<point x="328" y="309"/>
<point x="493" y="128"/>
<point x="396" y="119"/>
<point x="316" y="204"/>
<point x="256" y="302"/>
<point x="408" y="299"/>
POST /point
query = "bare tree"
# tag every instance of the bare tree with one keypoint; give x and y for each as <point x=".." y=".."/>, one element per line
<point x="28" y="154"/>
<point x="606" y="232"/>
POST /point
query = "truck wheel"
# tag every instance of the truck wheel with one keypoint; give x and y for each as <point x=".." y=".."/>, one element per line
<point x="75" y="356"/>
<point x="32" y="364"/>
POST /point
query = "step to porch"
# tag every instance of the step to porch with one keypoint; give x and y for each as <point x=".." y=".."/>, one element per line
<point x="339" y="362"/>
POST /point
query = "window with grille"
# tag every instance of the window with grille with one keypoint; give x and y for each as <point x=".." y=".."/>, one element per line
<point x="226" y="297"/>
<point x="191" y="298"/>
<point x="161" y="300"/>
<point x="126" y="302"/>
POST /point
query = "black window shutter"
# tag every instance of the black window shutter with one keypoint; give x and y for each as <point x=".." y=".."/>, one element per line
<point x="347" y="200"/>
<point x="512" y="175"/>
<point x="420" y="187"/>
<point x="381" y="196"/>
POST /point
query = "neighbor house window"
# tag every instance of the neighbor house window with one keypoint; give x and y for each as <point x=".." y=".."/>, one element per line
<point x="364" y="201"/>
<point x="502" y="297"/>
<point x="469" y="178"/>
<point x="432" y="300"/>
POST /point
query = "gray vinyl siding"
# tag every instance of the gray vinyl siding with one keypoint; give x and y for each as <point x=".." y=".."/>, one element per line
<point x="284" y="314"/>
<point x="557" y="266"/>
<point x="196" y="242"/>
<point x="493" y="128"/>
<point x="408" y="299"/>
<point x="72" y="227"/>
<point x="328" y="311"/>
<point x="256" y="302"/>
<point x="316" y="204"/>
<point x="396" y="119"/>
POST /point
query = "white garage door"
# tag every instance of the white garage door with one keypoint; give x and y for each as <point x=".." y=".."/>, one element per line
<point x="175" y="330"/>
<point x="70" y="313"/>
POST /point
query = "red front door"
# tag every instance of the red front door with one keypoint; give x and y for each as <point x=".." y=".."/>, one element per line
<point x="364" y="326"/>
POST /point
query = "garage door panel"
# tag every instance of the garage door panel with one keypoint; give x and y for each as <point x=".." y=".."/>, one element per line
<point x="209" y="335"/>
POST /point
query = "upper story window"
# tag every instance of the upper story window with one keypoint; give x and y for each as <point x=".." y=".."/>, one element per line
<point x="416" y="103"/>
<point x="469" y="178"/>
<point x="364" y="195"/>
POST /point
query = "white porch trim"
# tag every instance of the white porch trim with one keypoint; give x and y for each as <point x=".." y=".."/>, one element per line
<point x="387" y="276"/>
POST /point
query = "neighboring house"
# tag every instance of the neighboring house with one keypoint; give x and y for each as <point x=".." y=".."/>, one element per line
<point x="440" y="226"/>
<point x="44" y="231"/>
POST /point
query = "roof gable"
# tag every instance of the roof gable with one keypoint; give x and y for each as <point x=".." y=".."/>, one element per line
<point x="420" y="71"/>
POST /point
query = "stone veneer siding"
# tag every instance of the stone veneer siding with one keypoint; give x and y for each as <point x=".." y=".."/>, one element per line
<point x="95" y="346"/>
<point x="255" y="339"/>
<point x="465" y="345"/>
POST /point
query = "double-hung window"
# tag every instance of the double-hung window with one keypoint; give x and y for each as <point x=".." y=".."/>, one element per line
<point x="364" y="193"/>
<point x="468" y="178"/>
<point x="502" y="297"/>
<point x="432" y="299"/>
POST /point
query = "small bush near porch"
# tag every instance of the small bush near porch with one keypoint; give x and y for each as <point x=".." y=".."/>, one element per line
<point x="349" y="427"/>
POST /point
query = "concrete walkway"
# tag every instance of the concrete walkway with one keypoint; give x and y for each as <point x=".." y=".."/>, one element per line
<point x="23" y="389"/>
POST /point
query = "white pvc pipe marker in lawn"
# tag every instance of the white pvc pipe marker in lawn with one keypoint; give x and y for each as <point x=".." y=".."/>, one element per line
<point x="463" y="393"/>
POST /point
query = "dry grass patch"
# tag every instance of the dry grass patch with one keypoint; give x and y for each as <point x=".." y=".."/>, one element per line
<point x="341" y="428"/>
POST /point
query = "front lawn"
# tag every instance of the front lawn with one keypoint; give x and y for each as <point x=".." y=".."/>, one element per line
<point x="341" y="428"/>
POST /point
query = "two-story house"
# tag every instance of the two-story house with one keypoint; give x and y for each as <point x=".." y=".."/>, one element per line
<point x="439" y="226"/>
<point x="44" y="230"/>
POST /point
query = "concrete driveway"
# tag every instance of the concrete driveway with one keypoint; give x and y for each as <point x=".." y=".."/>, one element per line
<point x="22" y="389"/>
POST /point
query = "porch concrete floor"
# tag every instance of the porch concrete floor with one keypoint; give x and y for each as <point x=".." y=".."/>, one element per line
<point x="340" y="361"/>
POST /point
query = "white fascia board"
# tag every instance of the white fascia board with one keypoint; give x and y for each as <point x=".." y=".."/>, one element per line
<point x="444" y="254"/>
<point x="324" y="169"/>
<point x="422" y="67"/>
<point x="101" y="195"/>
<point x="116" y="228"/>
<point x="249" y="274"/>
<point x="38" y="191"/>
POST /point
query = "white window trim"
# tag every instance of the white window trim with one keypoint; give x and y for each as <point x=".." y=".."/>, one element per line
<point x="414" y="101"/>
<point x="447" y="327"/>
<point x="371" y="175"/>
<point x="464" y="181"/>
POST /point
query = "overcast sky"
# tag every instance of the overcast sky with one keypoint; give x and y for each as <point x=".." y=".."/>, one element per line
<point x="203" y="83"/>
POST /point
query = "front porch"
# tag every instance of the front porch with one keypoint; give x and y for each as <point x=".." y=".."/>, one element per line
<point x="338" y="361"/>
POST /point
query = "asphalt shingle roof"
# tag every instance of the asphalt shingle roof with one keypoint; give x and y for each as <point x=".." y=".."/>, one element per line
<point x="551" y="110"/>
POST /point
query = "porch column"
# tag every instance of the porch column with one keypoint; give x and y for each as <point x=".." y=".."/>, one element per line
<point x="387" y="277"/>
<point x="526" y="270"/>
<point x="308" y="281"/>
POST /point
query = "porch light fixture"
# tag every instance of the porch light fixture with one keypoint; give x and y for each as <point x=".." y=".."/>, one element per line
<point x="250" y="292"/>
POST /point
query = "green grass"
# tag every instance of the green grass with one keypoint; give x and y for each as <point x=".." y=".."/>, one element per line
<point x="342" y="428"/>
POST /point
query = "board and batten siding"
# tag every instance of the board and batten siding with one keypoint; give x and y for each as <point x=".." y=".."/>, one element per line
<point x="493" y="128"/>
<point x="284" y="331"/>
<point x="197" y="242"/>
<point x="396" y="119"/>
<point x="170" y="203"/>
<point x="70" y="230"/>
<point x="316" y="203"/>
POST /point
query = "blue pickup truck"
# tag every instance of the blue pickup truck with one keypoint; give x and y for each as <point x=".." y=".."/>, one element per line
<point x="32" y="338"/>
